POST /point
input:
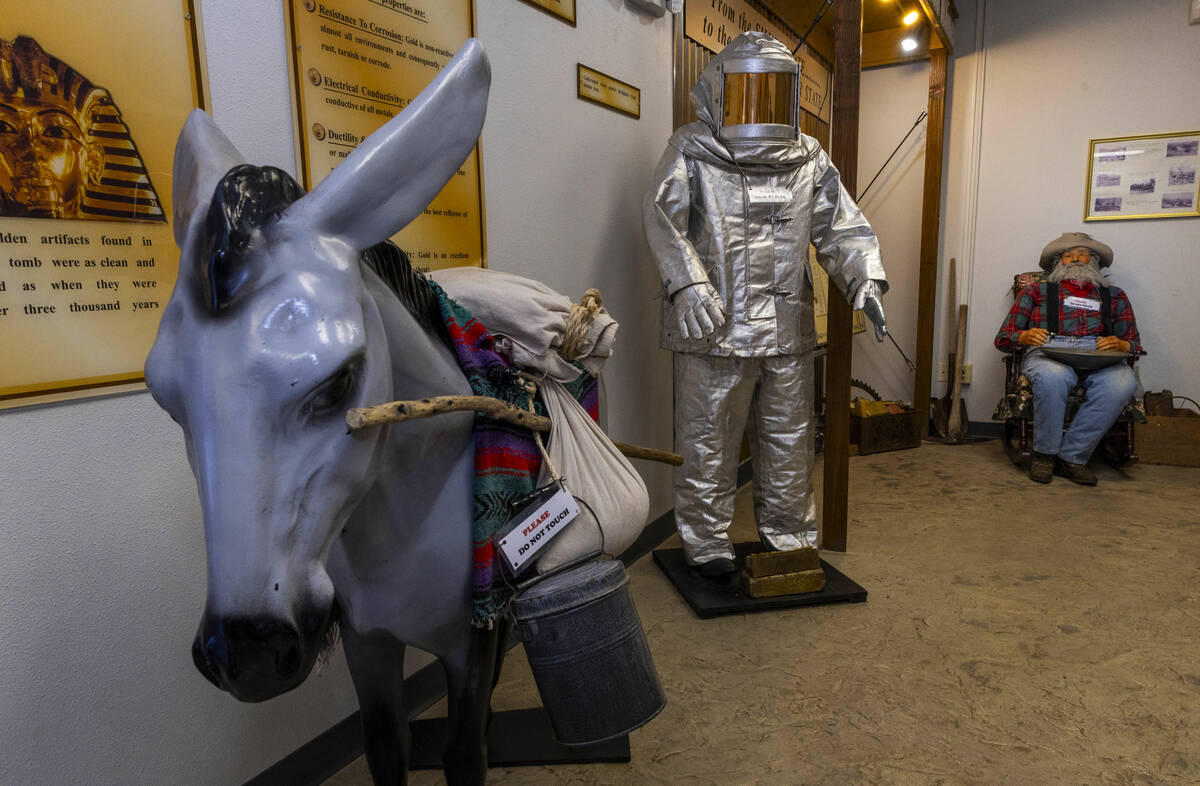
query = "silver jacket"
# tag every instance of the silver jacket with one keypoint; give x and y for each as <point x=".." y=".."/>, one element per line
<point x="741" y="215"/>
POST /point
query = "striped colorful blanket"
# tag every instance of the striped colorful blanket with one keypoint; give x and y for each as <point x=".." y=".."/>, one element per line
<point x="507" y="459"/>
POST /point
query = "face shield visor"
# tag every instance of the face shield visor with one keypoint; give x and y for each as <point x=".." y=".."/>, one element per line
<point x="759" y="100"/>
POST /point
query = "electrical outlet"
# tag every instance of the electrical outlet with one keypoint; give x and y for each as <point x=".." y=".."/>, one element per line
<point x="966" y="370"/>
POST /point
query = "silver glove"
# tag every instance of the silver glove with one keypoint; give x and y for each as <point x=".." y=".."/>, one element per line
<point x="867" y="299"/>
<point x="698" y="310"/>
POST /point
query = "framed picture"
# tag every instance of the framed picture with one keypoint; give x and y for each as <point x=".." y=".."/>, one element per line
<point x="1146" y="176"/>
<point x="92" y="97"/>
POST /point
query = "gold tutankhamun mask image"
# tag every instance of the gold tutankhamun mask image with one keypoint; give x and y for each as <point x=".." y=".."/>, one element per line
<point x="65" y="151"/>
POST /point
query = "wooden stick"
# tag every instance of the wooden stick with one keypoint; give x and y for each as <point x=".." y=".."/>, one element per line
<point x="649" y="454"/>
<point x="400" y="411"/>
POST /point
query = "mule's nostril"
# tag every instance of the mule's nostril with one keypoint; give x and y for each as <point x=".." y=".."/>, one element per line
<point x="258" y="657"/>
<point x="201" y="662"/>
<point x="288" y="660"/>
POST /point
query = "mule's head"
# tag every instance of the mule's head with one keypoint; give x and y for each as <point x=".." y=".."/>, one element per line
<point x="269" y="336"/>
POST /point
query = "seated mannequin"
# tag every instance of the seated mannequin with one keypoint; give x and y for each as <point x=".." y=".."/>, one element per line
<point x="1074" y="301"/>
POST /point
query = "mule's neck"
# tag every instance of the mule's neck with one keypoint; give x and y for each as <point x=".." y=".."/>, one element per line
<point x="413" y="524"/>
<point x="422" y="366"/>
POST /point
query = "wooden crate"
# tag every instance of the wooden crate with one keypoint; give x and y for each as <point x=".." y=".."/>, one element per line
<point x="1164" y="440"/>
<point x="879" y="433"/>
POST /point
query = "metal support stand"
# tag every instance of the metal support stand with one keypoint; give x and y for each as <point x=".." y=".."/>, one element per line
<point x="516" y="738"/>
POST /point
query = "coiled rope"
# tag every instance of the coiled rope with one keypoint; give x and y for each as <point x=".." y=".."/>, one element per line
<point x="578" y="321"/>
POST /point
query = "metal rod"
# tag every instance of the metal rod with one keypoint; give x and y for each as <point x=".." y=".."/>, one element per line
<point x="907" y="362"/>
<point x="920" y="117"/>
<point x="820" y="13"/>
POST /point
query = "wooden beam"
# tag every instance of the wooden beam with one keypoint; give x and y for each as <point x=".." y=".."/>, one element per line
<point x="936" y="23"/>
<point x="931" y="208"/>
<point x="847" y="67"/>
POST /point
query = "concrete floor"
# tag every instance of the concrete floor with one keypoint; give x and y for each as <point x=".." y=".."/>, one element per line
<point x="1009" y="637"/>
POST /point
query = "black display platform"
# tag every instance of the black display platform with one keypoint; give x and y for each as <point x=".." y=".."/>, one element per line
<point x="516" y="738"/>
<point x="712" y="599"/>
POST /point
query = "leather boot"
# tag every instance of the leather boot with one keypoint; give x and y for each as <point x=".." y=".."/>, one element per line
<point x="1041" y="468"/>
<point x="1076" y="473"/>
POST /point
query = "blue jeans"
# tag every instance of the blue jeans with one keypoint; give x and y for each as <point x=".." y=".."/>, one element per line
<point x="1107" y="391"/>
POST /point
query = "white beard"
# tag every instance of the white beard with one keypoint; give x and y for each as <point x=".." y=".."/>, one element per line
<point x="1080" y="274"/>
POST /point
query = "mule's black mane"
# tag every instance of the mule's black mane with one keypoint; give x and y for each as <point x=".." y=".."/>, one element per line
<point x="248" y="198"/>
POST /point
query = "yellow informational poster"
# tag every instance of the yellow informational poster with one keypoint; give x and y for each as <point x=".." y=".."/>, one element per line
<point x="356" y="63"/>
<point x="92" y="97"/>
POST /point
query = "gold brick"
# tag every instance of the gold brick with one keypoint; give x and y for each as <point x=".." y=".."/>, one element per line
<point x="773" y="563"/>
<point x="784" y="584"/>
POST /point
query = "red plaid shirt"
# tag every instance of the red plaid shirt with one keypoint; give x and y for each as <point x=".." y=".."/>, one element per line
<point x="1027" y="312"/>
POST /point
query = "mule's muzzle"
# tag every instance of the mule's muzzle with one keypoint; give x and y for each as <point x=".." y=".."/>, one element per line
<point x="256" y="658"/>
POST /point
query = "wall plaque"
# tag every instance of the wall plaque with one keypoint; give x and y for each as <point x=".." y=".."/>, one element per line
<point x="564" y="9"/>
<point x="92" y="97"/>
<point x="713" y="25"/>
<point x="607" y="91"/>
<point x="355" y="64"/>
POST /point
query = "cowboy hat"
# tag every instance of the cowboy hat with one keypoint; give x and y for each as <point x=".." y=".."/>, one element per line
<point x="1069" y="240"/>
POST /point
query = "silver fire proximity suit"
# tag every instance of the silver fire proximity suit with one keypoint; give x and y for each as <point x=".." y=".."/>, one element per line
<point x="736" y="200"/>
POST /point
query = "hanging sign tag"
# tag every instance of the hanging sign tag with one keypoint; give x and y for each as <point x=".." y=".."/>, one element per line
<point x="769" y="195"/>
<point x="1087" y="304"/>
<point x="551" y="510"/>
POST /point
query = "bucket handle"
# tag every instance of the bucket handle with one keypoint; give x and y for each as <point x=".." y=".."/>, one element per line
<point x="560" y="569"/>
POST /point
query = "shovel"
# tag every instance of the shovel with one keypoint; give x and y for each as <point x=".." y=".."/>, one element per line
<point x="956" y="428"/>
<point x="939" y="409"/>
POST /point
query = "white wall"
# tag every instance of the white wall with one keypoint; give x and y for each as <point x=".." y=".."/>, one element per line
<point x="891" y="99"/>
<point x="1054" y="76"/>
<point x="564" y="181"/>
<point x="102" y="582"/>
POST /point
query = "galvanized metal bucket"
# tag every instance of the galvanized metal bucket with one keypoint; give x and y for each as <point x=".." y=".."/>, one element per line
<point x="588" y="653"/>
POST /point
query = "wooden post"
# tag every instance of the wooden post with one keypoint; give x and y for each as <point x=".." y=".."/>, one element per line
<point x="931" y="208"/>
<point x="847" y="50"/>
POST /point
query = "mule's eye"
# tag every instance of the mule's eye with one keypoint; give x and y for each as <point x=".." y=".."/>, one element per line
<point x="332" y="395"/>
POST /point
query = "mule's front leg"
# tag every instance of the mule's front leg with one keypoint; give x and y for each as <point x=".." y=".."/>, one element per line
<point x="377" y="668"/>
<point x="470" y="675"/>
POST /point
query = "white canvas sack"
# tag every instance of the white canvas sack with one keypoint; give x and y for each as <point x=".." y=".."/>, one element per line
<point x="528" y="319"/>
<point x="610" y="489"/>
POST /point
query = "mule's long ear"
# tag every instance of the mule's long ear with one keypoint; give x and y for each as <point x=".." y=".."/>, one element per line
<point x="202" y="157"/>
<point x="395" y="172"/>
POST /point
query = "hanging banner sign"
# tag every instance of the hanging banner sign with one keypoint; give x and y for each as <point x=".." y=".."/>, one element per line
<point x="355" y="64"/>
<point x="714" y="23"/>
<point x="92" y="97"/>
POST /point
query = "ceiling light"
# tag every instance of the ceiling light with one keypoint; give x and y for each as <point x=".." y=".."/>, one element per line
<point x="908" y="44"/>
<point x="911" y="17"/>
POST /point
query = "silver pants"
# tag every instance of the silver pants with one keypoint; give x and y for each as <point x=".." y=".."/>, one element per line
<point x="771" y="399"/>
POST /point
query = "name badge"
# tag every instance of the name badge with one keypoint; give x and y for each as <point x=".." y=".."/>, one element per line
<point x="770" y="195"/>
<point x="540" y="521"/>
<point x="1081" y="302"/>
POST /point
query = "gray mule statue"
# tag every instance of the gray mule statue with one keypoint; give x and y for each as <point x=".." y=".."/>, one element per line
<point x="286" y="313"/>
